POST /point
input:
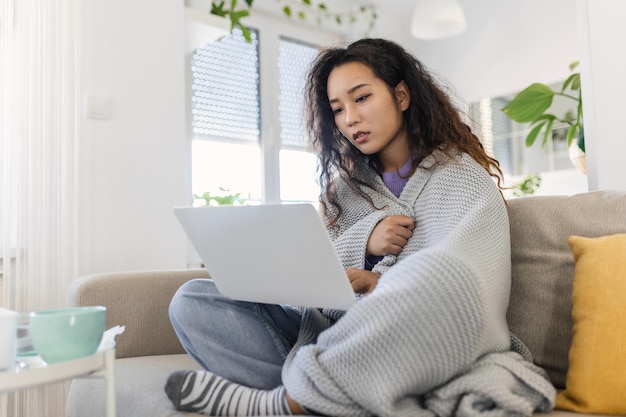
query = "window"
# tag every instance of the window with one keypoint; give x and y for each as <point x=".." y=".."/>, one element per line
<point x="505" y="140"/>
<point x="297" y="166"/>
<point x="225" y="118"/>
<point x="495" y="131"/>
<point x="247" y="116"/>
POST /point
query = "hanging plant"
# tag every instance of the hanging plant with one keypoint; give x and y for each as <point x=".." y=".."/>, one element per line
<point x="235" y="15"/>
<point x="302" y="10"/>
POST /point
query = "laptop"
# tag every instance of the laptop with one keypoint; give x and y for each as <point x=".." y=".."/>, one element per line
<point x="270" y="253"/>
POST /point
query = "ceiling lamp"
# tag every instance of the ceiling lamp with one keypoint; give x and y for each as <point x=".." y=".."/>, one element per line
<point x="436" y="19"/>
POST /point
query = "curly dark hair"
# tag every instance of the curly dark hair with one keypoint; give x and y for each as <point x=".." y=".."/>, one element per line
<point x="432" y="120"/>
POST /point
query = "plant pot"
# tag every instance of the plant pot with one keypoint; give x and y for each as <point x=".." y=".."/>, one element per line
<point x="578" y="158"/>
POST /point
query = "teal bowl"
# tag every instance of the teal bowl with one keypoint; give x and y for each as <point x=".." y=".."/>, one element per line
<point x="67" y="333"/>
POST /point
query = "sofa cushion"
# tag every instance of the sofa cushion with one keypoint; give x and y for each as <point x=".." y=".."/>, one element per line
<point x="139" y="389"/>
<point x="543" y="267"/>
<point x="596" y="379"/>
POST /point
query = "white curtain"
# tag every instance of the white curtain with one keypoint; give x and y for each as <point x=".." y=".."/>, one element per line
<point x="39" y="89"/>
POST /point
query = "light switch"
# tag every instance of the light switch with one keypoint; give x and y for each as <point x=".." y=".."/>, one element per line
<point x="98" y="108"/>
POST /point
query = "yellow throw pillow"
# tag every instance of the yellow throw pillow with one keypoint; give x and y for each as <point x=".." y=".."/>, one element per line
<point x="596" y="378"/>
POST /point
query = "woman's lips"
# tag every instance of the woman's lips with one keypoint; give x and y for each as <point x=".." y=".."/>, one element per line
<point x="360" y="137"/>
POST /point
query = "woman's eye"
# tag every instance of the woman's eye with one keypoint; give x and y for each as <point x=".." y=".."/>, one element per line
<point x="336" y="111"/>
<point x="362" y="98"/>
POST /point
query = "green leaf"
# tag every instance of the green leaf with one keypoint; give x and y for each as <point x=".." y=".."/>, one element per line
<point x="573" y="79"/>
<point x="532" y="135"/>
<point x="218" y="9"/>
<point x="548" y="132"/>
<point x="528" y="185"/>
<point x="546" y="117"/>
<point x="301" y="15"/>
<point x="530" y="103"/>
<point x="226" y="199"/>
<point x="571" y="132"/>
<point x="581" y="139"/>
<point x="246" y="33"/>
<point x="540" y="123"/>
<point x="237" y="15"/>
<point x="307" y="2"/>
<point x="287" y="11"/>
<point x="573" y="65"/>
<point x="576" y="83"/>
<point x="322" y="6"/>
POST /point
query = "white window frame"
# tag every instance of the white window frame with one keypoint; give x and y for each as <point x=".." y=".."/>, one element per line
<point x="270" y="30"/>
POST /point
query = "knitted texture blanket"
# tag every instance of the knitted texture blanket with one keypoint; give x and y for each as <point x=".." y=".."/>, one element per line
<point x="432" y="338"/>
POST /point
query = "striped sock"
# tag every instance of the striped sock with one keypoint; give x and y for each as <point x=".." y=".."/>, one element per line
<point x="207" y="393"/>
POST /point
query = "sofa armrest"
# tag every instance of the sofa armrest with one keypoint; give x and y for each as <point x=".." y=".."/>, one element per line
<point x="138" y="300"/>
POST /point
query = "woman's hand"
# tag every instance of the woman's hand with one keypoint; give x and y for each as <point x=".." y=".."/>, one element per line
<point x="390" y="235"/>
<point x="362" y="280"/>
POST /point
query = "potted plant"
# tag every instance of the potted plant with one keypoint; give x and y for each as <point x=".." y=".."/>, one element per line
<point x="532" y="105"/>
<point x="225" y="199"/>
<point x="527" y="186"/>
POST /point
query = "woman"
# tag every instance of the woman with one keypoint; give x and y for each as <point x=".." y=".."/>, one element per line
<point x="412" y="203"/>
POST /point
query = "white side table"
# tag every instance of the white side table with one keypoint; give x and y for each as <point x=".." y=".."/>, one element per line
<point x="100" y="364"/>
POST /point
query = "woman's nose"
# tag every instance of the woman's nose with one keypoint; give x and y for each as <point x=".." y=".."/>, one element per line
<point x="351" y="115"/>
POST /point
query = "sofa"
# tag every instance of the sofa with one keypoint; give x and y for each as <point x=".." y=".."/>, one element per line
<point x="541" y="310"/>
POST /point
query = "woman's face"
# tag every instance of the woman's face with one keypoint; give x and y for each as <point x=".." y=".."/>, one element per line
<point x="367" y="114"/>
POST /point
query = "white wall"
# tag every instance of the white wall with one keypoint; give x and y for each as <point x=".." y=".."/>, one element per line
<point x="603" y="61"/>
<point x="507" y="45"/>
<point x="511" y="44"/>
<point x="134" y="165"/>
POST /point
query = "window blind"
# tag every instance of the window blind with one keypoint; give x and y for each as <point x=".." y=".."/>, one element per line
<point x="294" y="59"/>
<point x="225" y="89"/>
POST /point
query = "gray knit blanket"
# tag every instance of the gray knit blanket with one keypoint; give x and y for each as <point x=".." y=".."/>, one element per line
<point x="432" y="338"/>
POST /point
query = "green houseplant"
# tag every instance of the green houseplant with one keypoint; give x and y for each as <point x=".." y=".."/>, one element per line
<point x="300" y="9"/>
<point x="532" y="105"/>
<point x="527" y="186"/>
<point x="225" y="199"/>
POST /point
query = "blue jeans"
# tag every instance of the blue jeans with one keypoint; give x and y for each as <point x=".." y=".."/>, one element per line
<point x="246" y="343"/>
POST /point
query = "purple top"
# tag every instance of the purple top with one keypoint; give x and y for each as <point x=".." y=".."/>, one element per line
<point x="395" y="181"/>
